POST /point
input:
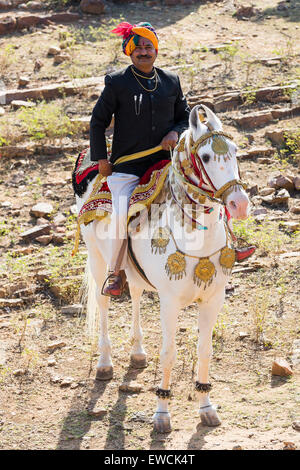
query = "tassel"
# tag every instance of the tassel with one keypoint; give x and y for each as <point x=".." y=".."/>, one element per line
<point x="77" y="238"/>
<point x="123" y="29"/>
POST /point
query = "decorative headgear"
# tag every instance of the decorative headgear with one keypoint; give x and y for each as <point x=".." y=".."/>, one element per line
<point x="131" y="34"/>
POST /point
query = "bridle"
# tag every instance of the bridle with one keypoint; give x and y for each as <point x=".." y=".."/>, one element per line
<point x="218" y="195"/>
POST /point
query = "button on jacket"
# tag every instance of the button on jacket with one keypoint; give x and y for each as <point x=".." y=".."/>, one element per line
<point x="141" y="118"/>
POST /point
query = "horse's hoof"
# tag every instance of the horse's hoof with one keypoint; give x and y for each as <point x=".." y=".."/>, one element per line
<point x="104" y="373"/>
<point x="162" y="422"/>
<point x="138" y="361"/>
<point x="210" y="417"/>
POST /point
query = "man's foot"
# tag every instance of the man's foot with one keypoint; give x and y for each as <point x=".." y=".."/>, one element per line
<point x="116" y="284"/>
<point x="243" y="253"/>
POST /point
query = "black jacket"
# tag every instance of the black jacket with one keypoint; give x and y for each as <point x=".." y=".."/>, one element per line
<point x="137" y="127"/>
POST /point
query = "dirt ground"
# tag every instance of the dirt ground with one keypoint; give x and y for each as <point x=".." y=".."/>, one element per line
<point x="50" y="399"/>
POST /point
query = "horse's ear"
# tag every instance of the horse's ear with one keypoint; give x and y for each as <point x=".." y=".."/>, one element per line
<point x="212" y="119"/>
<point x="198" y="129"/>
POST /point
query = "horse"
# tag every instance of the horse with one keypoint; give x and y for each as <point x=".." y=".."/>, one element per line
<point x="185" y="258"/>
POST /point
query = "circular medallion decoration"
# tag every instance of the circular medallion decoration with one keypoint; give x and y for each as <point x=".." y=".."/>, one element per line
<point x="219" y="146"/>
<point x="175" y="265"/>
<point x="227" y="259"/>
<point x="204" y="272"/>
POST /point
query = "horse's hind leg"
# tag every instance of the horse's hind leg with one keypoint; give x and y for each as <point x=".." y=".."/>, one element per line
<point x="138" y="356"/>
<point x="169" y="314"/>
<point x="208" y="313"/>
<point x="98" y="269"/>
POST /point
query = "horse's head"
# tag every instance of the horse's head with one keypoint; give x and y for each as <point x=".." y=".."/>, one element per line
<point x="213" y="157"/>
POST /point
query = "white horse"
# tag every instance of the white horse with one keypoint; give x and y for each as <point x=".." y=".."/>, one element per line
<point x="182" y="262"/>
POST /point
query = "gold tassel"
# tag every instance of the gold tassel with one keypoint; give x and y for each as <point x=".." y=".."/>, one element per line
<point x="160" y="240"/>
<point x="77" y="238"/>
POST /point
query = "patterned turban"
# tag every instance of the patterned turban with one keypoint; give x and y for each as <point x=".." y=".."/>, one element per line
<point x="132" y="33"/>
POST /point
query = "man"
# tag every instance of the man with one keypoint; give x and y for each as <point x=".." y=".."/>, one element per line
<point x="149" y="110"/>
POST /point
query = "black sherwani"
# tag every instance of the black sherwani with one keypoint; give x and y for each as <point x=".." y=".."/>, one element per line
<point x="137" y="125"/>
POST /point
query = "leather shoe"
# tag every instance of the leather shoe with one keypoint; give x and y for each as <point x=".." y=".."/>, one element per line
<point x="243" y="253"/>
<point x="115" y="285"/>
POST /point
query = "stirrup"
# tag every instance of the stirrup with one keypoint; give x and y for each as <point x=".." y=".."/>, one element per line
<point x="111" y="279"/>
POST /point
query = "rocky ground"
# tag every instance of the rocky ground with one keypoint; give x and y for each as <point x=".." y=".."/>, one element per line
<point x="244" y="64"/>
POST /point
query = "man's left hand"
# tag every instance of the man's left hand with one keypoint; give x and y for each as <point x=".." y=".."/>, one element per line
<point x="170" y="140"/>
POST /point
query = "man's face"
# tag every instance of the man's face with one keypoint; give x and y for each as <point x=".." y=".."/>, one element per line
<point x="144" y="54"/>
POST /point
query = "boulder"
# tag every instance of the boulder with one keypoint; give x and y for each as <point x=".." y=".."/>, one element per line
<point x="266" y="191"/>
<point x="295" y="208"/>
<point x="95" y="7"/>
<point x="246" y="12"/>
<point x="130" y="387"/>
<point x="55" y="345"/>
<point x="296" y="181"/>
<point x="276" y="136"/>
<point x="281" y="181"/>
<point x="253" y="120"/>
<point x="8" y="24"/>
<point x="44" y="239"/>
<point x="23" y="81"/>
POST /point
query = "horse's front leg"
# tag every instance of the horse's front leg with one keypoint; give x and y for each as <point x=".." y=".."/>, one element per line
<point x="138" y="355"/>
<point x="168" y="315"/>
<point x="208" y="313"/>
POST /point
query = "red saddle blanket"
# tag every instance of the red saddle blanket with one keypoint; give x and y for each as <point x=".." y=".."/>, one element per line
<point x="99" y="202"/>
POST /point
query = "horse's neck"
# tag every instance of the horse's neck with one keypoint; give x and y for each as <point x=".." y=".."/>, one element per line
<point x="209" y="234"/>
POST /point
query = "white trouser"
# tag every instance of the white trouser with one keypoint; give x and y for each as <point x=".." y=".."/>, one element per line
<point x="121" y="186"/>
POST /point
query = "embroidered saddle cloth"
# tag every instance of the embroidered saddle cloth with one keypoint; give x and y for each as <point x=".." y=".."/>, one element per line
<point x="99" y="204"/>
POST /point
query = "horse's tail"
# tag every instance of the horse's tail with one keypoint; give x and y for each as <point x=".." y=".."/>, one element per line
<point x="88" y="299"/>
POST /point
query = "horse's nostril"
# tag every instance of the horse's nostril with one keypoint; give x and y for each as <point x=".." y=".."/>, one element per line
<point x="233" y="204"/>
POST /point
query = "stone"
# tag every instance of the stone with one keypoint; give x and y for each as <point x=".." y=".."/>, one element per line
<point x="8" y="24"/>
<point x="44" y="239"/>
<point x="19" y="372"/>
<point x="59" y="219"/>
<point x="97" y="412"/>
<point x="260" y="211"/>
<point x="279" y="197"/>
<point x="55" y="345"/>
<point x="292" y="226"/>
<point x="95" y="7"/>
<point x="16" y="104"/>
<point x="289" y="446"/>
<point x="133" y="387"/>
<point x="227" y="102"/>
<point x="25" y="22"/>
<point x="66" y="381"/>
<point x="295" y="208"/>
<point x="243" y="334"/>
<point x="75" y="309"/>
<point x="296" y="182"/>
<point x="281" y="367"/>
<point x="296" y="425"/>
<point x="276" y="136"/>
<point x="51" y="91"/>
<point x="10" y="302"/>
<point x="253" y="120"/>
<point x="12" y="151"/>
<point x="246" y="12"/>
<point x="60" y="58"/>
<point x="23" y="81"/>
<point x="54" y="50"/>
<point x="55" y="379"/>
<point x="51" y="362"/>
<point x="35" y="6"/>
<point x="41" y="209"/>
<point x="266" y="191"/>
<point x="35" y="232"/>
<point x="58" y="239"/>
<point x="41" y="221"/>
<point x="281" y="181"/>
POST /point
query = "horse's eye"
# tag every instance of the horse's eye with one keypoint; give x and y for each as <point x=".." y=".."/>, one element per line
<point x="205" y="158"/>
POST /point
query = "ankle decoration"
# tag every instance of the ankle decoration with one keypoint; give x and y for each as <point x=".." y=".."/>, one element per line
<point x="203" y="387"/>
<point x="164" y="394"/>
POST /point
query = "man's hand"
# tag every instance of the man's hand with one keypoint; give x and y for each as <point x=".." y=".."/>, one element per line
<point x="105" y="167"/>
<point x="170" y="140"/>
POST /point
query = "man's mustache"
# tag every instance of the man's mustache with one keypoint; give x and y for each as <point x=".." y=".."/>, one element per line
<point x="144" y="56"/>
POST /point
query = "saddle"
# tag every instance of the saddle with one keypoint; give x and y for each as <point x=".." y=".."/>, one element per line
<point x="99" y="205"/>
